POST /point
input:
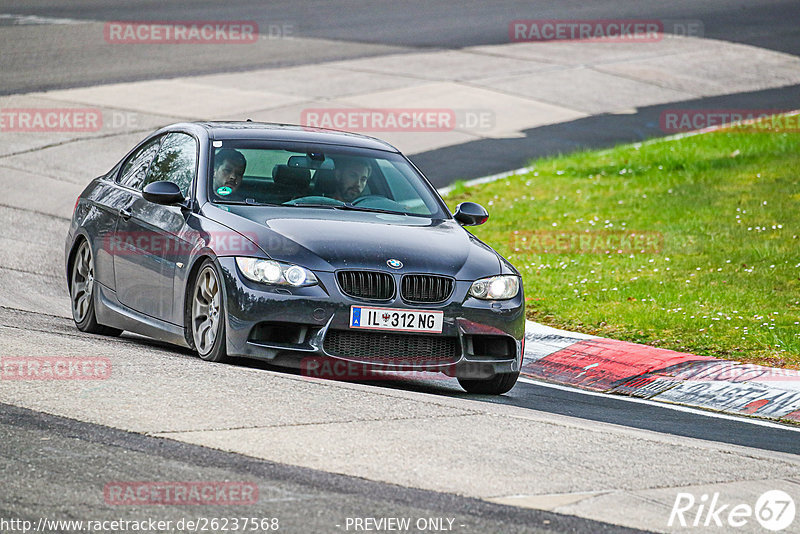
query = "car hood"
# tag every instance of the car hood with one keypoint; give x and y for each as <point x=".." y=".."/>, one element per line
<point x="328" y="240"/>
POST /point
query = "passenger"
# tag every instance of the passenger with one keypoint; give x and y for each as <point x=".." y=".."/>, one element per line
<point x="229" y="166"/>
<point x="351" y="178"/>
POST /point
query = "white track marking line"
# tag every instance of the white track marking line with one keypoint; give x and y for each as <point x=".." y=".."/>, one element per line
<point x="35" y="20"/>
<point x="661" y="404"/>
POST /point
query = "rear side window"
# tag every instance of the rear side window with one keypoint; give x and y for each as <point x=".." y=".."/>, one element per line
<point x="135" y="169"/>
<point x="176" y="162"/>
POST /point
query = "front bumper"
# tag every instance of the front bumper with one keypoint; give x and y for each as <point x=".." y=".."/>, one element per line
<point x="297" y="327"/>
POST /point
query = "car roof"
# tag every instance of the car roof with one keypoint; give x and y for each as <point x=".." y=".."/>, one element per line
<point x="289" y="132"/>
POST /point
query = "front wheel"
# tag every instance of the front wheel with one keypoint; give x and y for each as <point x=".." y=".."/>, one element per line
<point x="208" y="315"/>
<point x="497" y="385"/>
<point x="81" y="294"/>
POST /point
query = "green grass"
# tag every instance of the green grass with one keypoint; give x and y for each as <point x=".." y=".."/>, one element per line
<point x="726" y="280"/>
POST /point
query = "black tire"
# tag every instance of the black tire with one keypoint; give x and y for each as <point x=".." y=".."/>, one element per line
<point x="497" y="385"/>
<point x="81" y="292"/>
<point x="206" y="314"/>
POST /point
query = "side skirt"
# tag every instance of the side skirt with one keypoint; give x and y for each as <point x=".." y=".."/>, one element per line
<point x="110" y="312"/>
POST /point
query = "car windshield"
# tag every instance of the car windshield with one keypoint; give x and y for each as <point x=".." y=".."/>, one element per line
<point x="319" y="177"/>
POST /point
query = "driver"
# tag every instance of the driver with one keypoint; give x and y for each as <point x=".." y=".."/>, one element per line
<point x="351" y="177"/>
<point x="229" y="166"/>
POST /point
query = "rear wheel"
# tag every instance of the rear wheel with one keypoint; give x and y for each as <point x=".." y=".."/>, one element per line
<point x="497" y="385"/>
<point x="208" y="315"/>
<point x="82" y="294"/>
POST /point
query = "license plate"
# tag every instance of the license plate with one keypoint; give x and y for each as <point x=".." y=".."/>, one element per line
<point x="396" y="319"/>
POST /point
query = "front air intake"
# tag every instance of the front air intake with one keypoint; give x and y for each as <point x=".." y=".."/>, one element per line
<point x="398" y="349"/>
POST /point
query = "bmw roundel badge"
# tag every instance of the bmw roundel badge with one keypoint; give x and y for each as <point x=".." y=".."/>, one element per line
<point x="394" y="264"/>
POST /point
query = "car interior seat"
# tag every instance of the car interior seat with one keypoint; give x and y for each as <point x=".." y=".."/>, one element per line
<point x="291" y="181"/>
<point x="324" y="183"/>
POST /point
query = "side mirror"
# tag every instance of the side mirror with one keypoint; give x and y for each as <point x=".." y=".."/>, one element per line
<point x="471" y="214"/>
<point x="166" y="193"/>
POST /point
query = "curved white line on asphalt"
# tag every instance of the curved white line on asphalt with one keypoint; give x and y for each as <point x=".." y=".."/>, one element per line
<point x="667" y="405"/>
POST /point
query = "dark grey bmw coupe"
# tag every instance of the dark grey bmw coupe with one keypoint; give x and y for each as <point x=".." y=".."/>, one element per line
<point x="295" y="245"/>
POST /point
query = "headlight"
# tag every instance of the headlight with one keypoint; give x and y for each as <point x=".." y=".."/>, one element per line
<point x="273" y="272"/>
<point x="495" y="288"/>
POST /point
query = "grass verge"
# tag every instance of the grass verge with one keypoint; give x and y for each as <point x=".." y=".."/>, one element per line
<point x="690" y="244"/>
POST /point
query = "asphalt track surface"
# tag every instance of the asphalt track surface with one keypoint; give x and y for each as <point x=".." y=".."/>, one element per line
<point x="40" y="57"/>
<point x="57" y="468"/>
<point x="411" y="24"/>
<point x="621" y="411"/>
<point x="47" y="459"/>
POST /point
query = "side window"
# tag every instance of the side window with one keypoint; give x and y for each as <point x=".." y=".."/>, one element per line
<point x="135" y="169"/>
<point x="176" y="162"/>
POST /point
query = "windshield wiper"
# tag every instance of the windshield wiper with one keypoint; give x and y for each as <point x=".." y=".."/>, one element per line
<point x="252" y="202"/>
<point x="308" y="205"/>
<point x="246" y="202"/>
<point x="352" y="207"/>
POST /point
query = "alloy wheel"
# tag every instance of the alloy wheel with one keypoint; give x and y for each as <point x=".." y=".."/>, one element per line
<point x="206" y="310"/>
<point x="82" y="283"/>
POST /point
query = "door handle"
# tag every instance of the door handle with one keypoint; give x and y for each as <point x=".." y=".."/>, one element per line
<point x="125" y="213"/>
